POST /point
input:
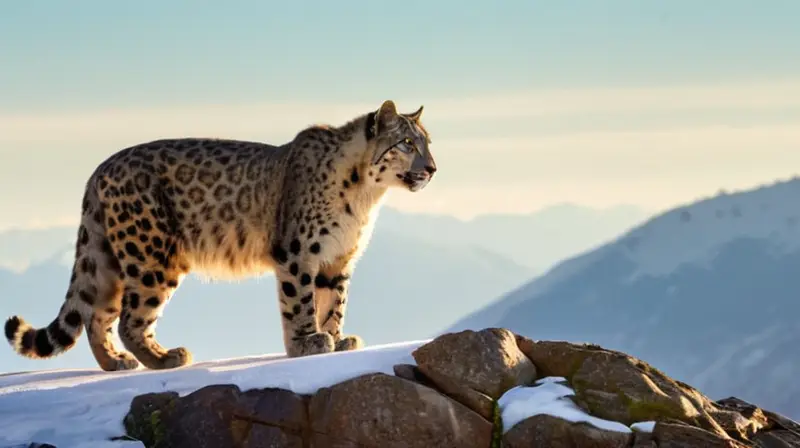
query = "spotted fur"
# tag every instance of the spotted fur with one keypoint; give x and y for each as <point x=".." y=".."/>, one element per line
<point x="154" y="212"/>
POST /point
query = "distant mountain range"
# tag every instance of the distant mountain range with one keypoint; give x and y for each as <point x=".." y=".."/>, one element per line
<point x="409" y="284"/>
<point x="709" y="292"/>
<point x="537" y="240"/>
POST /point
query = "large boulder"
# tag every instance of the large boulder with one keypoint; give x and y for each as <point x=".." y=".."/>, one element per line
<point x="387" y="411"/>
<point x="219" y="416"/>
<point x="487" y="361"/>
<point x="554" y="432"/>
<point x="680" y="435"/>
<point x="478" y="402"/>
<point x="615" y="386"/>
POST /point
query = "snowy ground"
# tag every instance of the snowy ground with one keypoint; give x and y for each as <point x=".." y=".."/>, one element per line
<point x="85" y="408"/>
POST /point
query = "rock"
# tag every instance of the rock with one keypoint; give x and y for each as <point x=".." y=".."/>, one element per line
<point x="204" y="419"/>
<point x="554" y="358"/>
<point x="219" y="416"/>
<point x="278" y="418"/>
<point x="643" y="440"/>
<point x="766" y="429"/>
<point x="744" y="409"/>
<point x="615" y="386"/>
<point x="412" y="373"/>
<point x="487" y="361"/>
<point x="470" y="398"/>
<point x="478" y="402"/>
<point x="764" y="418"/>
<point x="144" y="420"/>
<point x="378" y="410"/>
<point x="777" y="439"/>
<point x="779" y="421"/>
<point x="201" y="419"/>
<point x="553" y="432"/>
<point x="681" y="435"/>
<point x="737" y="425"/>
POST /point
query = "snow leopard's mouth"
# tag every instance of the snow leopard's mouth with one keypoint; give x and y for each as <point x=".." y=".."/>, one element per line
<point x="416" y="181"/>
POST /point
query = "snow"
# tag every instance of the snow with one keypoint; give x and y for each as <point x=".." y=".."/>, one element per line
<point x="85" y="407"/>
<point x="694" y="233"/>
<point x="550" y="396"/>
<point x="551" y="379"/>
<point x="644" y="426"/>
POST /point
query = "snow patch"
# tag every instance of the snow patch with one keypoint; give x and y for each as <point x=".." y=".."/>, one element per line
<point x="551" y="379"/>
<point x="85" y="407"/>
<point x="644" y="426"/>
<point x="548" y="397"/>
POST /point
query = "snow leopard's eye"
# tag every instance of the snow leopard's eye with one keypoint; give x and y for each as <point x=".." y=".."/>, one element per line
<point x="407" y="145"/>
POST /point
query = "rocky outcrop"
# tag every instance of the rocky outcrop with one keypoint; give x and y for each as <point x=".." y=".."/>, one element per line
<point x="454" y="397"/>
<point x="487" y="361"/>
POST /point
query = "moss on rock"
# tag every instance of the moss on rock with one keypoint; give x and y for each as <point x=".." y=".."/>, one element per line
<point x="145" y="421"/>
<point x="497" y="426"/>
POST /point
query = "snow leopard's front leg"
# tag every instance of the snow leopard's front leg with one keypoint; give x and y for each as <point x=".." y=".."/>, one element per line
<point x="332" y="288"/>
<point x="295" y="273"/>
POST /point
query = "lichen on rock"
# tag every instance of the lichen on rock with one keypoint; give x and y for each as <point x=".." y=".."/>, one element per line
<point x="144" y="421"/>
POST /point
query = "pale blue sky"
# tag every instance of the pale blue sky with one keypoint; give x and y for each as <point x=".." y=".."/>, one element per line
<point x="523" y="82"/>
<point x="89" y="53"/>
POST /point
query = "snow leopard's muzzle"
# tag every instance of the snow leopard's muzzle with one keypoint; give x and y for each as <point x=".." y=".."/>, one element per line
<point x="416" y="180"/>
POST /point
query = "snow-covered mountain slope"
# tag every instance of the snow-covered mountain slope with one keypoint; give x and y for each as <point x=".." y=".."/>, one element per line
<point x="695" y="233"/>
<point x="708" y="292"/>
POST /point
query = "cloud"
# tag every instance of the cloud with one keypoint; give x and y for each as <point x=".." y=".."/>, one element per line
<point x="652" y="168"/>
<point x="713" y="140"/>
<point x="283" y="120"/>
<point x="706" y="153"/>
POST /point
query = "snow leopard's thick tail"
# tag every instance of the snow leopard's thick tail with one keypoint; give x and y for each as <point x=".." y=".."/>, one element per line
<point x="66" y="328"/>
<point x="49" y="341"/>
<point x="81" y="297"/>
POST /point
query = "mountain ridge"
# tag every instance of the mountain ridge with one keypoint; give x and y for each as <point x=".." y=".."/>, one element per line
<point x="708" y="296"/>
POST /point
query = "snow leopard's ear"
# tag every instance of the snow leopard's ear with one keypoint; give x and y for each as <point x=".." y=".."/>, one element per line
<point x="415" y="116"/>
<point x="385" y="117"/>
